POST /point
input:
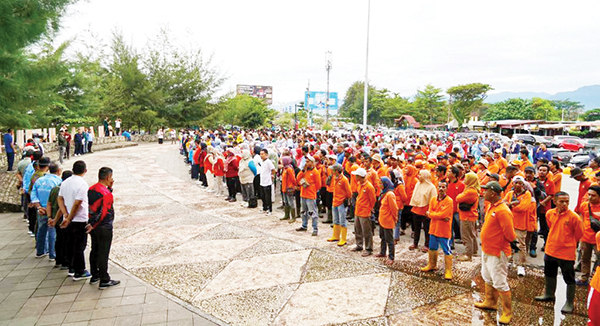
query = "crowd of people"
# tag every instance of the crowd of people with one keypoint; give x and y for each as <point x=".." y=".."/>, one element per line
<point x="60" y="210"/>
<point x="502" y="195"/>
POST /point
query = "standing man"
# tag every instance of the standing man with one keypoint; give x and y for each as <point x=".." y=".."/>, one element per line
<point x="341" y="196"/>
<point x="55" y="217"/>
<point x="519" y="202"/>
<point x="497" y="233"/>
<point x="544" y="205"/>
<point x="68" y="138"/>
<point x="542" y="152"/>
<point x="309" y="180"/>
<point x="566" y="229"/>
<point x="266" y="171"/>
<point x="584" y="185"/>
<point x="365" y="201"/>
<point x="100" y="227"/>
<point x="440" y="212"/>
<point x="40" y="193"/>
<point x="588" y="240"/>
<point x="73" y="201"/>
<point x="9" y="146"/>
<point x="118" y="126"/>
<point x="62" y="146"/>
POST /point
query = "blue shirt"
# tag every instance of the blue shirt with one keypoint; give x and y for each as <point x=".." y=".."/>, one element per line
<point x="8" y="140"/>
<point x="340" y="158"/>
<point x="29" y="170"/>
<point x="42" y="187"/>
<point x="542" y="154"/>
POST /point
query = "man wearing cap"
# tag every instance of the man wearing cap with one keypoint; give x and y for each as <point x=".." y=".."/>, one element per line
<point x="501" y="162"/>
<point x="341" y="196"/>
<point x="584" y="185"/>
<point x="538" y="193"/>
<point x="566" y="228"/>
<point x="309" y="180"/>
<point x="519" y="202"/>
<point x="497" y="233"/>
<point x="365" y="202"/>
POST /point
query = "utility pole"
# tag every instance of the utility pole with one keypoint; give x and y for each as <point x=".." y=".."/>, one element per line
<point x="328" y="68"/>
<point x="366" y="96"/>
<point x="306" y="104"/>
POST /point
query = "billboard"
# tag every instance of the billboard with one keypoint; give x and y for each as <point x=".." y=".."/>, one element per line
<point x="262" y="92"/>
<point x="315" y="101"/>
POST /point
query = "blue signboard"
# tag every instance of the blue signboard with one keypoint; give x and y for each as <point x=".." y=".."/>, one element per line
<point x="315" y="102"/>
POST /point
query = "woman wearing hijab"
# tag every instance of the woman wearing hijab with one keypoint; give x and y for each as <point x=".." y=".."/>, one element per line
<point x="288" y="188"/>
<point x="246" y="174"/>
<point x="208" y="167"/>
<point x="424" y="191"/>
<point x="218" y="170"/>
<point x="467" y="213"/>
<point x="388" y="216"/>
<point x="231" y="175"/>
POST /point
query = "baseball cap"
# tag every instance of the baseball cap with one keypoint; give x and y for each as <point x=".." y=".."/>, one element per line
<point x="493" y="185"/>
<point x="309" y="157"/>
<point x="530" y="168"/>
<point x="44" y="161"/>
<point x="360" y="172"/>
<point x="377" y="158"/>
<point x="576" y="172"/>
<point x="518" y="178"/>
<point x="484" y="162"/>
<point x="498" y="150"/>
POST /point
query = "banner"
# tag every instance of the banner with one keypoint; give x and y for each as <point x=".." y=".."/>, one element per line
<point x="315" y="101"/>
<point x="262" y="92"/>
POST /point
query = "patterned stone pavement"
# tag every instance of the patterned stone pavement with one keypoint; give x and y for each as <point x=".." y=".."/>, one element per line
<point x="244" y="268"/>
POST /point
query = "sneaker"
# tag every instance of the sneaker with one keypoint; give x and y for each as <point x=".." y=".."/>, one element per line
<point x="94" y="280"/>
<point x="532" y="254"/>
<point x="315" y="233"/>
<point x="82" y="276"/>
<point x="52" y="259"/>
<point x="268" y="213"/>
<point x="109" y="284"/>
<point x="42" y="255"/>
<point x="520" y="270"/>
<point x="367" y="253"/>
<point x="71" y="272"/>
<point x="301" y="229"/>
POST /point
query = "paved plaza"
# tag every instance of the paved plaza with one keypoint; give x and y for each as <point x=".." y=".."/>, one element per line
<point x="187" y="257"/>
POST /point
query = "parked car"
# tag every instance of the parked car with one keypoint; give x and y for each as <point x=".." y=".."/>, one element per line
<point x="525" y="138"/>
<point x="593" y="143"/>
<point x="562" y="155"/>
<point x="558" y="139"/>
<point x="543" y="140"/>
<point x="572" y="144"/>
<point x="580" y="160"/>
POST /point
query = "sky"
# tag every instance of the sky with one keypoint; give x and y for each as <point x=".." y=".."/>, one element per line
<point x="539" y="46"/>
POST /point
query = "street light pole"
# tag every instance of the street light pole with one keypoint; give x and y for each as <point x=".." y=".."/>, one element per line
<point x="328" y="68"/>
<point x="366" y="95"/>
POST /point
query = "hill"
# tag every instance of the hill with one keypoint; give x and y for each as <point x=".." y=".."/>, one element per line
<point x="589" y="96"/>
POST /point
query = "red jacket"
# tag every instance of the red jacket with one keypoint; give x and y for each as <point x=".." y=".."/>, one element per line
<point x="233" y="168"/>
<point x="218" y="168"/>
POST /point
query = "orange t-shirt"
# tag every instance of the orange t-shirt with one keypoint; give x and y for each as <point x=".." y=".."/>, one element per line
<point x="288" y="179"/>
<point x="565" y="231"/>
<point x="584" y="186"/>
<point x="497" y="231"/>
<point x="400" y="193"/>
<point x="470" y="195"/>
<point x="329" y="173"/>
<point x="341" y="190"/>
<point x="365" y="201"/>
<point x="502" y="164"/>
<point x="521" y="211"/>
<point x="525" y="164"/>
<point x="438" y="211"/>
<point x="373" y="178"/>
<point x="353" y="181"/>
<point x="313" y="178"/>
<point x="595" y="284"/>
<point x="493" y="168"/>
<point x="557" y="179"/>
<point x="388" y="211"/>
<point x="589" y="236"/>
<point x="383" y="171"/>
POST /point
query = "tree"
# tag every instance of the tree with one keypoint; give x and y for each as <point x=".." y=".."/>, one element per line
<point x="591" y="115"/>
<point x="514" y="108"/>
<point x="467" y="99"/>
<point x="570" y="110"/>
<point x="430" y="102"/>
<point x="246" y="111"/>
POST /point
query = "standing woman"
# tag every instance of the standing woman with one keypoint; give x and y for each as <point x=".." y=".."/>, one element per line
<point x="218" y="170"/>
<point x="467" y="213"/>
<point x="424" y="191"/>
<point x="208" y="166"/>
<point x="161" y="135"/>
<point x="388" y="216"/>
<point x="288" y="188"/>
<point x="231" y="175"/>
<point x="246" y="174"/>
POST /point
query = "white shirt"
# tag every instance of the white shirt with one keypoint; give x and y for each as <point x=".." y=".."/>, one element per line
<point x="118" y="124"/>
<point x="72" y="189"/>
<point x="264" y="170"/>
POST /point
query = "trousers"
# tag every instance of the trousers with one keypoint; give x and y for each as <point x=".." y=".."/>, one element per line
<point x="101" y="241"/>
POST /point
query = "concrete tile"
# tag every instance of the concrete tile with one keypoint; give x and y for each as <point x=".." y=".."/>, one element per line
<point x="58" y="276"/>
<point x="103" y="313"/>
<point x="54" y="308"/>
<point x="65" y="289"/>
<point x="155" y="317"/>
<point x="27" y="321"/>
<point x="201" y="321"/>
<point x="108" y="302"/>
<point x="132" y="309"/>
<point x="20" y="294"/>
<point x="133" y="299"/>
<point x="91" y="295"/>
<point x="51" y="283"/>
<point x="75" y="316"/>
<point x="156" y="298"/>
<point x="84" y="305"/>
<point x="103" y="322"/>
<point x="133" y="290"/>
<point x="79" y="323"/>
<point x="52" y="319"/>
<point x="18" y="272"/>
<point x="64" y="298"/>
<point x="134" y="320"/>
<point x="112" y="292"/>
<point x="181" y="322"/>
<point x="43" y="292"/>
<point x="155" y="307"/>
<point x="178" y="314"/>
<point x="27" y="285"/>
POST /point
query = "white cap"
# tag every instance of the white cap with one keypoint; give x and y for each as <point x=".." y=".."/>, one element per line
<point x="484" y="162"/>
<point x="518" y="178"/>
<point x="498" y="150"/>
<point x="310" y="158"/>
<point x="360" y="172"/>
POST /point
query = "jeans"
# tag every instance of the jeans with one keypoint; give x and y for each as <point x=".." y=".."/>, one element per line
<point x="247" y="192"/>
<point x="101" y="241"/>
<point x="195" y="169"/>
<point x="288" y="200"/>
<point x="46" y="237"/>
<point x="10" y="158"/>
<point x="61" y="247"/>
<point x="266" y="198"/>
<point x="339" y="216"/>
<point x="89" y="146"/>
<point x="232" y="186"/>
<point x="309" y="209"/>
<point x="456" y="227"/>
<point x="61" y="154"/>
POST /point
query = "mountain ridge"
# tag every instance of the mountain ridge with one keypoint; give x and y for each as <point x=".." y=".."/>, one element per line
<point x="588" y="96"/>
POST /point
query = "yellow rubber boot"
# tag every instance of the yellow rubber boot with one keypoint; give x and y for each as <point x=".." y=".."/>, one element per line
<point x="448" y="267"/>
<point x="506" y="301"/>
<point x="336" y="233"/>
<point x="432" y="264"/>
<point x="343" y="233"/>
<point x="490" y="302"/>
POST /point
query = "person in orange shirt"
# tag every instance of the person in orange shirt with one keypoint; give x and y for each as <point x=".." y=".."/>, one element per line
<point x="588" y="240"/>
<point x="497" y="233"/>
<point x="410" y="181"/>
<point x="309" y="180"/>
<point x="388" y="217"/>
<point x="288" y="187"/>
<point x="422" y="195"/>
<point x="525" y="159"/>
<point x="545" y="204"/>
<point x="341" y="195"/>
<point x="595" y="168"/>
<point x="327" y="188"/>
<point x="501" y="162"/>
<point x="467" y="213"/>
<point x="364" y="206"/>
<point x="378" y="166"/>
<point x="519" y="202"/>
<point x="556" y="174"/>
<point x="584" y="185"/>
<point x="440" y="231"/>
<point x="593" y="302"/>
<point x="401" y="202"/>
<point x="566" y="228"/>
<point x="506" y="179"/>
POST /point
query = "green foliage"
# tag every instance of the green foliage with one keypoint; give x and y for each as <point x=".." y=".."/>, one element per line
<point x="591" y="115"/>
<point x="246" y="111"/>
<point x="571" y="109"/>
<point x="467" y="99"/>
<point x="431" y="102"/>
<point x="517" y="108"/>
<point x="579" y="133"/>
